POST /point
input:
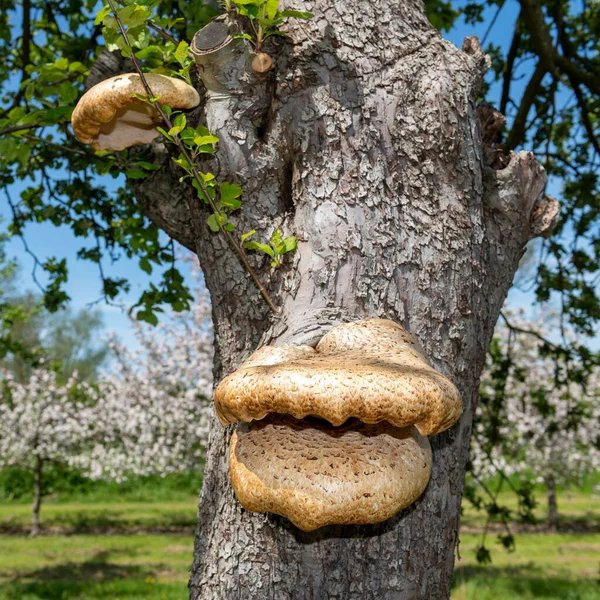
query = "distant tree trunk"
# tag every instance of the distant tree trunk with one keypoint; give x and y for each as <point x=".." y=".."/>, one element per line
<point x="37" y="497"/>
<point x="552" y="503"/>
<point x="365" y="143"/>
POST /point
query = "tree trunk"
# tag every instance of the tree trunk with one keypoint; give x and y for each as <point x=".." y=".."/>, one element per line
<point x="37" y="497"/>
<point x="365" y="144"/>
<point x="552" y="503"/>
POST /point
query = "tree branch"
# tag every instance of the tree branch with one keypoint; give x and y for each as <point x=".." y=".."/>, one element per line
<point x="508" y="71"/>
<point x="516" y="135"/>
<point x="541" y="41"/>
<point x="585" y="117"/>
<point x="569" y="51"/>
<point x="15" y="128"/>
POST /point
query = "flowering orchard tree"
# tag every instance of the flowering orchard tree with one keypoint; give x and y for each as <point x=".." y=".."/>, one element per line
<point x="149" y="415"/>
<point x="539" y="412"/>
<point x="153" y="411"/>
<point x="43" y="422"/>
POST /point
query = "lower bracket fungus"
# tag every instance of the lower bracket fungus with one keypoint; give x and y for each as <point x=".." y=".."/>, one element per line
<point x="336" y="434"/>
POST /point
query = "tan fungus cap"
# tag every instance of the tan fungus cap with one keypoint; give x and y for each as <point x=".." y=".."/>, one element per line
<point x="315" y="474"/>
<point x="371" y="370"/>
<point x="108" y="118"/>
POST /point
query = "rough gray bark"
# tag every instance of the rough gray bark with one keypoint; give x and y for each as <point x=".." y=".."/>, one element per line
<point x="37" y="498"/>
<point x="363" y="142"/>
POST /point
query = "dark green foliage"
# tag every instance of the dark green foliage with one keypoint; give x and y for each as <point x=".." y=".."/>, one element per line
<point x="43" y="69"/>
<point x="67" y="485"/>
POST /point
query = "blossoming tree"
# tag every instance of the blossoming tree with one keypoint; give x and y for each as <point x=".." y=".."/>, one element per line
<point x="43" y="422"/>
<point x="148" y="415"/>
<point x="153" y="412"/>
<point x="540" y="412"/>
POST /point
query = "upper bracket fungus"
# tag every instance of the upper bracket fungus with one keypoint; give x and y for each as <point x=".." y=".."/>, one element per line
<point x="109" y="117"/>
<point x="335" y="432"/>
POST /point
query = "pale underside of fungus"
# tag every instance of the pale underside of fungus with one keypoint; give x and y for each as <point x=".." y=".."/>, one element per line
<point x="109" y="116"/>
<point x="336" y="434"/>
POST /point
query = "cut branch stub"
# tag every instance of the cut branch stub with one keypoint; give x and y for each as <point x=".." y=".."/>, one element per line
<point x="223" y="60"/>
<point x="211" y="38"/>
<point x="236" y="96"/>
<point x="364" y="394"/>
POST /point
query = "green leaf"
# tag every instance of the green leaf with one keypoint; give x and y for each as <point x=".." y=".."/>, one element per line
<point x="180" y="122"/>
<point x="203" y="140"/>
<point x="245" y="236"/>
<point x="145" y="265"/>
<point x="183" y="162"/>
<point x="261" y="247"/>
<point x="244" y="36"/>
<point x="164" y="133"/>
<point x="229" y="192"/>
<point x="139" y="36"/>
<point x="296" y="14"/>
<point x="207" y="177"/>
<point x="215" y="221"/>
<point x="103" y="12"/>
<point x="77" y="67"/>
<point x="272" y="7"/>
<point x="287" y="245"/>
<point x="135" y="174"/>
<point x="181" y="54"/>
<point x="276" y="238"/>
<point x="148" y="166"/>
<point x="148" y="316"/>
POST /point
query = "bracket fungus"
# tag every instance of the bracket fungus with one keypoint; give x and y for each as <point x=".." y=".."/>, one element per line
<point x="109" y="117"/>
<point x="336" y="434"/>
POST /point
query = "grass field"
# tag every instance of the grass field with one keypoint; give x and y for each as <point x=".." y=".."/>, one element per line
<point x="86" y="556"/>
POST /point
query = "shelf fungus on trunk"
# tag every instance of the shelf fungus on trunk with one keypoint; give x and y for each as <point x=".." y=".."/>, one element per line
<point x="109" y="117"/>
<point x="336" y="434"/>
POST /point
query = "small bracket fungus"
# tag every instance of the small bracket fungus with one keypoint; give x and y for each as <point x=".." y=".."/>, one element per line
<point x="108" y="117"/>
<point x="335" y="433"/>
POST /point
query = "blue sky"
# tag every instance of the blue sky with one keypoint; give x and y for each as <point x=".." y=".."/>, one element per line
<point x="45" y="240"/>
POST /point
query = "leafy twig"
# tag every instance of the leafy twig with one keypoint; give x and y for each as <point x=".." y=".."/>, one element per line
<point x="194" y="209"/>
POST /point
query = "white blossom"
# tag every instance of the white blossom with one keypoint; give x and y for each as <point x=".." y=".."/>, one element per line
<point x="549" y="422"/>
<point x="149" y="414"/>
<point x="41" y="419"/>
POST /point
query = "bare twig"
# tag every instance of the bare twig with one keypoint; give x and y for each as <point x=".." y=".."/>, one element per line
<point x="492" y="22"/>
<point x="518" y="129"/>
<point x="36" y="261"/>
<point x="33" y="138"/>
<point x="16" y="128"/>
<point x="508" y="72"/>
<point x="155" y="28"/>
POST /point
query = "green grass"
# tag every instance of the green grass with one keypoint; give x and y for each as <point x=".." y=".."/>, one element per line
<point x="102" y="517"/>
<point x="64" y="485"/>
<point x="155" y="567"/>
<point x="84" y="567"/>
<point x="72" y="562"/>
<point x="543" y="566"/>
<point x="578" y="509"/>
